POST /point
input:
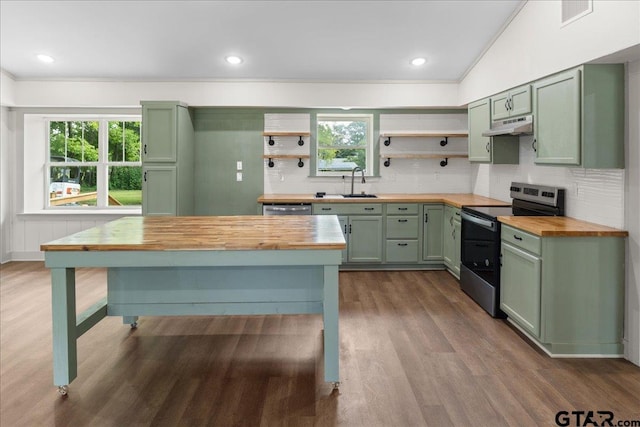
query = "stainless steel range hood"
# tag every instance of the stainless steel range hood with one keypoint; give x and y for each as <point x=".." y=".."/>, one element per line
<point x="518" y="126"/>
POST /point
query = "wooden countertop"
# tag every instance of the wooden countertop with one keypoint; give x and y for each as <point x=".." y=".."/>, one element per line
<point x="453" y="199"/>
<point x="207" y="233"/>
<point x="560" y="226"/>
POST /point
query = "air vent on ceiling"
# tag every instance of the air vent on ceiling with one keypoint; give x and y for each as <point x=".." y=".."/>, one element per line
<point x="573" y="10"/>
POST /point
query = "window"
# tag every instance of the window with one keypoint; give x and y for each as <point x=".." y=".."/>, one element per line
<point x="94" y="162"/>
<point x="344" y="141"/>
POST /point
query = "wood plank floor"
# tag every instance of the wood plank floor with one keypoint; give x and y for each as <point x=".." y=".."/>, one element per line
<point x="414" y="351"/>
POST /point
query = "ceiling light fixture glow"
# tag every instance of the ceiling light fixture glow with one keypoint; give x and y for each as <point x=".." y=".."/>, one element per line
<point x="45" y="58"/>
<point x="418" y="61"/>
<point x="235" y="60"/>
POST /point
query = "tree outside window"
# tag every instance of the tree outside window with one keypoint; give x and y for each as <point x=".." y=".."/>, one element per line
<point x="343" y="142"/>
<point x="94" y="163"/>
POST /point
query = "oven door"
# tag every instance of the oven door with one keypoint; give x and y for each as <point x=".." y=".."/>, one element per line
<point x="480" y="251"/>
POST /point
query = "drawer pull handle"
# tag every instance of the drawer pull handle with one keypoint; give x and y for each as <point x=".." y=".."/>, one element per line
<point x="403" y="220"/>
<point x="368" y="209"/>
<point x="327" y="209"/>
<point x="402" y="244"/>
<point x="517" y="237"/>
<point x="402" y="209"/>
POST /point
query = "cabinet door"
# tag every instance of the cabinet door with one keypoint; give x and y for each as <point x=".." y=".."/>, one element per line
<point x="159" y="194"/>
<point x="448" y="251"/>
<point x="520" y="101"/>
<point x="457" y="247"/>
<point x="344" y="226"/>
<point x="479" y="116"/>
<point x="365" y="239"/>
<point x="520" y="283"/>
<point x="557" y="119"/>
<point x="432" y="234"/>
<point x="500" y="106"/>
<point x="159" y="133"/>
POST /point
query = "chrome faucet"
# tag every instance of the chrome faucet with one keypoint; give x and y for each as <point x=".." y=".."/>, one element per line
<point x="353" y="173"/>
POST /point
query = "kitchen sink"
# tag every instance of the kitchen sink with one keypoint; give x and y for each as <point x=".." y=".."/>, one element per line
<point x="358" y="196"/>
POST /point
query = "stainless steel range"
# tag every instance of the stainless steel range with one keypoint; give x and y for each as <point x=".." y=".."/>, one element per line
<point x="480" y="251"/>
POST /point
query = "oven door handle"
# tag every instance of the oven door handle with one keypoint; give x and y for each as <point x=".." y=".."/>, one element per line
<point x="480" y="221"/>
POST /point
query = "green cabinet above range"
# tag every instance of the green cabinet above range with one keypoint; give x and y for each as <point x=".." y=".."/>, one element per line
<point x="515" y="102"/>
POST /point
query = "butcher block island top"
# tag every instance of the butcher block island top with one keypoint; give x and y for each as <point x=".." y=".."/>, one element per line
<point x="560" y="226"/>
<point x="207" y="233"/>
<point x="453" y="199"/>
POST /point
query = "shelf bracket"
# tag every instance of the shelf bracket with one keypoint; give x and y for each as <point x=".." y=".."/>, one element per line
<point x="387" y="141"/>
<point x="271" y="141"/>
<point x="301" y="142"/>
<point x="445" y="141"/>
<point x="300" y="162"/>
<point x="387" y="163"/>
<point x="444" y="162"/>
<point x="271" y="164"/>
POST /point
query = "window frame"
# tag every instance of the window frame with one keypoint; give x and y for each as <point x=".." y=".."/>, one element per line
<point x="102" y="165"/>
<point x="369" y="148"/>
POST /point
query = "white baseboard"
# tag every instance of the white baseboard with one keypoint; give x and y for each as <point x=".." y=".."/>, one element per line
<point x="26" y="256"/>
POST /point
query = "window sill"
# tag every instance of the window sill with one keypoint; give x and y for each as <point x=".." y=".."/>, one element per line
<point x="82" y="212"/>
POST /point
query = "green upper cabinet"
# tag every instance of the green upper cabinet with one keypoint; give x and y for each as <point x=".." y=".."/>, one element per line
<point x="579" y="117"/>
<point x="479" y="116"/>
<point x="515" y="102"/>
<point x="159" y="132"/>
<point x="483" y="149"/>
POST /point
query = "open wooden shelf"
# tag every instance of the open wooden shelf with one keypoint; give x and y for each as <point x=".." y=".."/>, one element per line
<point x="286" y="133"/>
<point x="435" y="134"/>
<point x="443" y="163"/>
<point x="286" y="156"/>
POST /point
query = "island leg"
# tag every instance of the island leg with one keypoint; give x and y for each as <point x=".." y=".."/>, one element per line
<point x="330" y="318"/>
<point x="63" y="304"/>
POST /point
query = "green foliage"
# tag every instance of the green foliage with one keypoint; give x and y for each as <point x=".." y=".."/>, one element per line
<point x="343" y="139"/>
<point x="125" y="178"/>
<point x="124" y="141"/>
<point x="72" y="139"/>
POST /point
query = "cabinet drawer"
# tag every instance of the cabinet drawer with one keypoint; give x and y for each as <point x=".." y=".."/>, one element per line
<point x="521" y="239"/>
<point x="347" y="209"/>
<point x="402" y="227"/>
<point x="402" y="209"/>
<point x="402" y="251"/>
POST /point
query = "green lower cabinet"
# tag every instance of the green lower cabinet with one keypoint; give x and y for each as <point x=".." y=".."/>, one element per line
<point x="569" y="297"/>
<point x="344" y="225"/>
<point x="159" y="190"/>
<point x="451" y="239"/>
<point x="402" y="251"/>
<point x="520" y="290"/>
<point x="432" y="232"/>
<point x="365" y="239"/>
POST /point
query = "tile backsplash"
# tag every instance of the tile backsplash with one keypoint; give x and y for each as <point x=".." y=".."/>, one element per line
<point x="595" y="195"/>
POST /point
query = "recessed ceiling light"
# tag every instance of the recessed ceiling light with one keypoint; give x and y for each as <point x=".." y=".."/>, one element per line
<point x="45" y="58"/>
<point x="235" y="60"/>
<point x="418" y="61"/>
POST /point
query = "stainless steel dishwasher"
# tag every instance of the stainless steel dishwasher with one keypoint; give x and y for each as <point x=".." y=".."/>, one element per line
<point x="286" y="209"/>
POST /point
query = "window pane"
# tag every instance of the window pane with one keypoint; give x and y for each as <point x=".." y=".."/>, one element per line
<point x="124" y="141"/>
<point x="73" y="141"/>
<point x="125" y="185"/>
<point x="344" y="133"/>
<point x="332" y="160"/>
<point x="72" y="186"/>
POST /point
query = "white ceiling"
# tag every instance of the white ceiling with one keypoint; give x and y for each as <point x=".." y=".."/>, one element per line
<point x="299" y="40"/>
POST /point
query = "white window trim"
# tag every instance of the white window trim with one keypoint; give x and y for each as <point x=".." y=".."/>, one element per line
<point x="36" y="162"/>
<point x="369" y="146"/>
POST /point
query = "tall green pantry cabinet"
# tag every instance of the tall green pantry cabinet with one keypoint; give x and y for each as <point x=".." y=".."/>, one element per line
<point x="168" y="145"/>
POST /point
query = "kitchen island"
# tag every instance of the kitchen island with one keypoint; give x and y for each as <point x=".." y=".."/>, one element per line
<point x="177" y="266"/>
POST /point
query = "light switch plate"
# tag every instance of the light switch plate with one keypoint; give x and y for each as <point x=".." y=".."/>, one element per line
<point x="239" y="165"/>
<point x="239" y="176"/>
